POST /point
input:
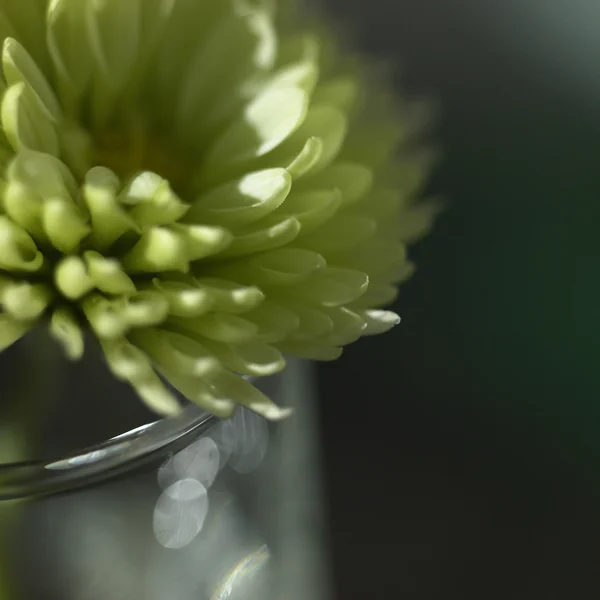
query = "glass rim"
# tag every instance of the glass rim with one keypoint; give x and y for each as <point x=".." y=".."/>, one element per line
<point x="105" y="460"/>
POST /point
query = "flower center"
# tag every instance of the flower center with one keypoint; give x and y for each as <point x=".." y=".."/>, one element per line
<point x="136" y="147"/>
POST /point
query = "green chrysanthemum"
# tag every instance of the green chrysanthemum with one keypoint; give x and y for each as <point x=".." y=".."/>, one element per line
<point x="203" y="185"/>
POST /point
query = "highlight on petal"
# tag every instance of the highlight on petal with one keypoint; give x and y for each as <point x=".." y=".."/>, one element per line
<point x="242" y="201"/>
<point x="379" y="321"/>
<point x="267" y="121"/>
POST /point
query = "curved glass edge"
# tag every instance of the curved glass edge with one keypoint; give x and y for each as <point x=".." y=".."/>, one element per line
<point x="105" y="460"/>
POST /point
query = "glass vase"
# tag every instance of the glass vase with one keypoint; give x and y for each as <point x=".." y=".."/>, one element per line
<point x="186" y="508"/>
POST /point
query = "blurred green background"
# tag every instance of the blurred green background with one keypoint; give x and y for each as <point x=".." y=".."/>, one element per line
<point x="463" y="449"/>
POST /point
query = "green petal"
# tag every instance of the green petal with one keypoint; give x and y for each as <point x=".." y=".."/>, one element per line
<point x="345" y="231"/>
<point x="125" y="360"/>
<point x="201" y="393"/>
<point x="273" y="321"/>
<point x="154" y="19"/>
<point x="245" y="394"/>
<point x="373" y="256"/>
<point x="66" y="330"/>
<point x="156" y="396"/>
<point x="64" y="224"/>
<point x="298" y="48"/>
<point x="27" y="18"/>
<point x="379" y="321"/>
<point x="24" y="207"/>
<point x="384" y="204"/>
<point x="306" y="159"/>
<point x="415" y="223"/>
<point x="18" y="66"/>
<point x="310" y="351"/>
<point x="152" y="200"/>
<point x="201" y="241"/>
<point x="228" y="296"/>
<point x="313" y="323"/>
<point x="175" y="353"/>
<point x="267" y="121"/>
<point x="341" y="92"/>
<point x="109" y="219"/>
<point x="348" y="327"/>
<point x="252" y="359"/>
<point x="68" y="45"/>
<point x="269" y="233"/>
<point x="285" y="266"/>
<point x="26" y="301"/>
<point x="376" y="296"/>
<point x="145" y="308"/>
<point x="325" y="123"/>
<point x="185" y="299"/>
<point x="44" y="174"/>
<point x="352" y="179"/>
<point x="277" y="267"/>
<point x="242" y="201"/>
<point x="159" y="249"/>
<point x="11" y="330"/>
<point x="130" y="364"/>
<point x="107" y="274"/>
<point x="19" y="251"/>
<point x="235" y="49"/>
<point x="113" y="28"/>
<point x="328" y="287"/>
<point x="105" y="317"/>
<point x="72" y="279"/>
<point x="25" y="124"/>
<point x="221" y="327"/>
<point x="7" y="29"/>
<point x="312" y="208"/>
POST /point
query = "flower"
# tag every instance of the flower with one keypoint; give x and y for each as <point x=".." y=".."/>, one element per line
<point x="205" y="186"/>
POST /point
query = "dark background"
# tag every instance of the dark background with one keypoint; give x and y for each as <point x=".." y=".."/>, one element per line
<point x="462" y="449"/>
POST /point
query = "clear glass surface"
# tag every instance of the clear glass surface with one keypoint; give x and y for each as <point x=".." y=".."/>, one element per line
<point x="189" y="508"/>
